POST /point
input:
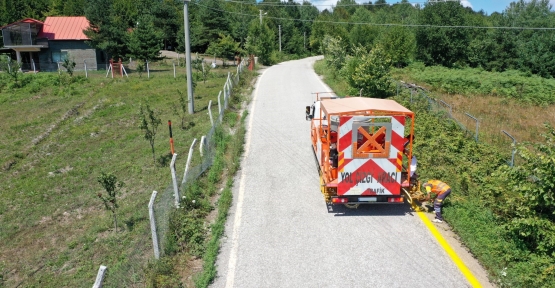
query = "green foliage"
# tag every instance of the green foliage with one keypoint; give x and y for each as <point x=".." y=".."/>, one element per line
<point x="334" y="52"/>
<point x="372" y="75"/>
<point x="260" y="42"/>
<point x="399" y="45"/>
<point x="181" y="109"/>
<point x="12" y="69"/>
<point x="468" y="81"/>
<point x="225" y="47"/>
<point x="140" y="66"/>
<point x="69" y="64"/>
<point x="145" y="41"/>
<point x="112" y="186"/>
<point x="442" y="46"/>
<point x="199" y="65"/>
<point x="107" y="30"/>
<point x="149" y="122"/>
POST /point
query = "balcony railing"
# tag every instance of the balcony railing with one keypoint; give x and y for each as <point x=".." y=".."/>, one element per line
<point x="20" y="34"/>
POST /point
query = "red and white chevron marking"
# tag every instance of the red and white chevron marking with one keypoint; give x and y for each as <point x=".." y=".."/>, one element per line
<point x="371" y="176"/>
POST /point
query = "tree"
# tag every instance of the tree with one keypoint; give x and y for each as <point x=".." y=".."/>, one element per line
<point x="145" y="41"/>
<point x="225" y="47"/>
<point x="69" y="64"/>
<point x="112" y="186"/>
<point x="261" y="42"/>
<point x="399" y="44"/>
<point x="106" y="31"/>
<point x="149" y="124"/>
<point x="372" y="74"/>
<point x="443" y="46"/>
<point x="12" y="68"/>
<point x="334" y="52"/>
<point x="206" y="23"/>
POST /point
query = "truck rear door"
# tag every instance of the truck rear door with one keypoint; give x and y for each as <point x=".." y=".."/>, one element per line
<point x="370" y="156"/>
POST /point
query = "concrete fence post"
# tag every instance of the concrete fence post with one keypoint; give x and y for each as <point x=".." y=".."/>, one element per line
<point x="34" y="68"/>
<point x="202" y="143"/>
<point x="100" y="276"/>
<point x="147" y="69"/>
<point x="210" y="112"/>
<point x="174" y="180"/>
<point x="86" y="72"/>
<point x="173" y="70"/>
<point x="188" y="161"/>
<point x="153" y="225"/>
<point x="219" y="107"/>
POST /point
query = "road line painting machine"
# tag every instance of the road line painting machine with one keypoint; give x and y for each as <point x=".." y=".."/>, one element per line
<point x="360" y="147"/>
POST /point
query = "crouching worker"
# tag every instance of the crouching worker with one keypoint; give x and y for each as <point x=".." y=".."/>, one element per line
<point x="440" y="190"/>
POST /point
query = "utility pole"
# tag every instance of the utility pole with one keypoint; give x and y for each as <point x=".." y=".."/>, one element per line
<point x="261" y="16"/>
<point x="188" y="57"/>
<point x="279" y="38"/>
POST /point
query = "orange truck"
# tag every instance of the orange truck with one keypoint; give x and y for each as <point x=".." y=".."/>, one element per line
<point x="361" y="149"/>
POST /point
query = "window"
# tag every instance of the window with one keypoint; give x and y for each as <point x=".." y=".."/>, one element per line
<point x="58" y="56"/>
<point x="372" y="138"/>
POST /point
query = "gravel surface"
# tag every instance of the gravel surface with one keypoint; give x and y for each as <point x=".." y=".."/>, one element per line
<point x="280" y="233"/>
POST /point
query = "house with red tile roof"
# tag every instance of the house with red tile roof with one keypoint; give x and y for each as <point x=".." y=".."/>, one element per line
<point x="43" y="45"/>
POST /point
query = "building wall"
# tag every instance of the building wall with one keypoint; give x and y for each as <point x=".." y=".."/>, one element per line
<point x="77" y="50"/>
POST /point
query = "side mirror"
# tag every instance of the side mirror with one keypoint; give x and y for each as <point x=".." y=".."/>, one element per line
<point x="308" y="114"/>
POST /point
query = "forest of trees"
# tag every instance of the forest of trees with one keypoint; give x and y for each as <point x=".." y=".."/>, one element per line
<point x="406" y="32"/>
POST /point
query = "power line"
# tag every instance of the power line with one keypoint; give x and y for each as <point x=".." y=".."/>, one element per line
<point x="386" y="24"/>
<point x="285" y="4"/>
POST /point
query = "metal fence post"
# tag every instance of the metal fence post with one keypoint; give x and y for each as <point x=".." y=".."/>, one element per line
<point x="188" y="161"/>
<point x="34" y="68"/>
<point x="153" y="225"/>
<point x="173" y="69"/>
<point x="514" y="147"/>
<point x="147" y="69"/>
<point x="100" y="277"/>
<point x="174" y="180"/>
<point x="450" y="108"/>
<point x="477" y="124"/>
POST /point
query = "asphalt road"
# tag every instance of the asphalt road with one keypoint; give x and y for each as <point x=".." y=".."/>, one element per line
<point x="280" y="233"/>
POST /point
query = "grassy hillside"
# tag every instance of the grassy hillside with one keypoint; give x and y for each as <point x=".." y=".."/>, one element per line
<point x="57" y="135"/>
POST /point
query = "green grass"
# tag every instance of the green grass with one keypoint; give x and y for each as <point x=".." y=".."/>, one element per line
<point x="522" y="86"/>
<point x="55" y="139"/>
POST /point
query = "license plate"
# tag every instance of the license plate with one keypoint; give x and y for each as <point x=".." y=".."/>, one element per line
<point x="367" y="199"/>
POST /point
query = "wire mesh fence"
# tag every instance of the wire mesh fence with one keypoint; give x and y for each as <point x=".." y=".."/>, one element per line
<point x="165" y="201"/>
<point x="169" y="67"/>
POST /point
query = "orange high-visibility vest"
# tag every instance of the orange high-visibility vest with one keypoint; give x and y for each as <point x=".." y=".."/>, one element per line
<point x="437" y="186"/>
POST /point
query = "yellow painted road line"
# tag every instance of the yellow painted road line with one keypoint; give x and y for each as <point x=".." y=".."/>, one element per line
<point x="464" y="270"/>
